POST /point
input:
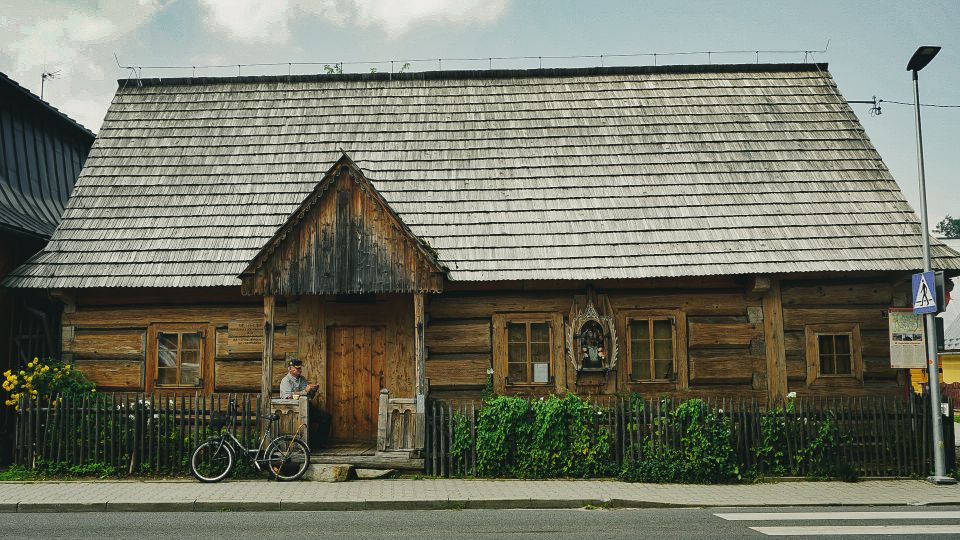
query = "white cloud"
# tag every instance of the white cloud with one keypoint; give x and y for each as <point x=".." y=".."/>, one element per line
<point x="249" y="20"/>
<point x="268" y="22"/>
<point x="68" y="37"/>
<point x="397" y="16"/>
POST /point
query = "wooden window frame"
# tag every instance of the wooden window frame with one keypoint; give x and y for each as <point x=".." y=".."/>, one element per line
<point x="501" y="351"/>
<point x="207" y="352"/>
<point x="813" y="333"/>
<point x="680" y="358"/>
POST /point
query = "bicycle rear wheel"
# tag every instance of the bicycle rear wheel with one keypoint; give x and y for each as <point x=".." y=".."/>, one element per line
<point x="212" y="461"/>
<point x="287" y="458"/>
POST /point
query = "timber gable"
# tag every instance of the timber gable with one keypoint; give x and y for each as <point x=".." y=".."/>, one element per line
<point x="343" y="239"/>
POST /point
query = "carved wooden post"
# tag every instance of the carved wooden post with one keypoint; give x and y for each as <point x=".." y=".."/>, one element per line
<point x="383" y="420"/>
<point x="773" y="338"/>
<point x="420" y="353"/>
<point x="266" y="381"/>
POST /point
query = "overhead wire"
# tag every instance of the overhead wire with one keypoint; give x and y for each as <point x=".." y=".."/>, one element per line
<point x="655" y="56"/>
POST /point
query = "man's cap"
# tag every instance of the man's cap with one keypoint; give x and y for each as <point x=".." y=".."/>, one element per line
<point x="294" y="362"/>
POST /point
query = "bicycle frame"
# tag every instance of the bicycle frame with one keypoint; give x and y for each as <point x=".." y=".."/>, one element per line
<point x="252" y="454"/>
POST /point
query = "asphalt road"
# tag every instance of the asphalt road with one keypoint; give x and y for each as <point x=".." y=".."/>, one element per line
<point x="662" y="524"/>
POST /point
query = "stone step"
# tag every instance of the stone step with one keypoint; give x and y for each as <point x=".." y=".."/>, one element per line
<point x="328" y="472"/>
<point x="372" y="474"/>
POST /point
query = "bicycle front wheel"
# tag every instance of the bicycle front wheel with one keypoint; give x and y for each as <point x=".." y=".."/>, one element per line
<point x="212" y="461"/>
<point x="287" y="458"/>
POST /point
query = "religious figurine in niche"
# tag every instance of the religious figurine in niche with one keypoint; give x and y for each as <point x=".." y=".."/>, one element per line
<point x="592" y="352"/>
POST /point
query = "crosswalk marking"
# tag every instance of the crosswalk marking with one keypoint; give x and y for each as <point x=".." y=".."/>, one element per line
<point x="833" y="530"/>
<point x="794" y="516"/>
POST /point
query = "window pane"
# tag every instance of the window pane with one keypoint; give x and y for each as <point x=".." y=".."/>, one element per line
<point x="641" y="370"/>
<point x="191" y="342"/>
<point x="539" y="333"/>
<point x="662" y="330"/>
<point x="842" y="343"/>
<point x="167" y="342"/>
<point x="663" y="349"/>
<point x="190" y="375"/>
<point x="826" y="365"/>
<point x="190" y="367"/>
<point x="664" y="368"/>
<point x="516" y="333"/>
<point x="540" y="352"/>
<point x="167" y="358"/>
<point x="517" y="372"/>
<point x="640" y="350"/>
<point x="166" y="375"/>
<point x="843" y="364"/>
<point x="517" y="352"/>
<point x="826" y="344"/>
<point x="639" y="330"/>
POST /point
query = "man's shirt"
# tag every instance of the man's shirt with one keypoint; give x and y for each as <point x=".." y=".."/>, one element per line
<point x="290" y="385"/>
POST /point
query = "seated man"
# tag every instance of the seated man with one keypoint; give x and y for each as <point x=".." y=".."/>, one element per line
<point x="294" y="384"/>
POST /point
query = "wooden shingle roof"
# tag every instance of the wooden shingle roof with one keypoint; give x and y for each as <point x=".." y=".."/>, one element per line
<point x="597" y="173"/>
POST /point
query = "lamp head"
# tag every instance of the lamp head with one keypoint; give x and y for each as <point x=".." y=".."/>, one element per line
<point x="922" y="57"/>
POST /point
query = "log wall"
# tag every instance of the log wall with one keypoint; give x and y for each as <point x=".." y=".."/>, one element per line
<point x="725" y="346"/>
<point x="107" y="333"/>
<point x="723" y="335"/>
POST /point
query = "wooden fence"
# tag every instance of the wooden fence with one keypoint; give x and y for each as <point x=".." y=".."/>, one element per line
<point x="878" y="436"/>
<point x="951" y="392"/>
<point x="130" y="432"/>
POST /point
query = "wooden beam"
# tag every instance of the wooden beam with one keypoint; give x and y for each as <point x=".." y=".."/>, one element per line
<point x="419" y="349"/>
<point x="266" y="369"/>
<point x="773" y="339"/>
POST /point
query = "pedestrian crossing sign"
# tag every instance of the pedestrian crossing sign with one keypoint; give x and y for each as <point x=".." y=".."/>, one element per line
<point x="924" y="295"/>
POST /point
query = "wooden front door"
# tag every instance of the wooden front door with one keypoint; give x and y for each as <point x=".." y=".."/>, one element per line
<point x="355" y="360"/>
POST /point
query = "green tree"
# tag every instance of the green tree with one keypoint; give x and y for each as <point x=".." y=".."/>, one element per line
<point x="949" y="227"/>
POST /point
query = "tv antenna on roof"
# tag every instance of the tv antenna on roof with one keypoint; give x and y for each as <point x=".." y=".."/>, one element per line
<point x="47" y="75"/>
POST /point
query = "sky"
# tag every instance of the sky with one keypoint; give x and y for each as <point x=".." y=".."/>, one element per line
<point x="867" y="45"/>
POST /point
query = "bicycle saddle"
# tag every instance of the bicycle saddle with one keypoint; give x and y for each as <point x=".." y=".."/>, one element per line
<point x="273" y="417"/>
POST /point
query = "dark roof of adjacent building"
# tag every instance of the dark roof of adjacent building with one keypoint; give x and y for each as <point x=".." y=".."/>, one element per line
<point x="599" y="173"/>
<point x="41" y="153"/>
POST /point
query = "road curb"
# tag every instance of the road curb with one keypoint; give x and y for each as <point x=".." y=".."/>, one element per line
<point x="159" y="506"/>
<point x="387" y="505"/>
<point x="61" y="507"/>
<point x="236" y="506"/>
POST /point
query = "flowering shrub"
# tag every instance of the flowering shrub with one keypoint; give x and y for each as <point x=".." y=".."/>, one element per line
<point x="44" y="378"/>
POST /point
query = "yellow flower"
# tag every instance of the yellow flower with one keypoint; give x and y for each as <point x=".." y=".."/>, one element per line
<point x="22" y="372"/>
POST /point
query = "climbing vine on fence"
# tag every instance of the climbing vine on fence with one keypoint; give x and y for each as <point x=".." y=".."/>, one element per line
<point x="545" y="438"/>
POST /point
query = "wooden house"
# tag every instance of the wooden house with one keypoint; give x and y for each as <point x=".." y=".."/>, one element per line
<point x="722" y="230"/>
<point x="41" y="153"/>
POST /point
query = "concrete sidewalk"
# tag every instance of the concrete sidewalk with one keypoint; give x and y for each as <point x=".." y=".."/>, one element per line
<point x="262" y="495"/>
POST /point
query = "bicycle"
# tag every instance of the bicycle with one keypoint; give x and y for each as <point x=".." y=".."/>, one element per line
<point x="286" y="457"/>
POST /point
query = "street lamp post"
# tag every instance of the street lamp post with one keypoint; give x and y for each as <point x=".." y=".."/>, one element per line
<point x="918" y="61"/>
